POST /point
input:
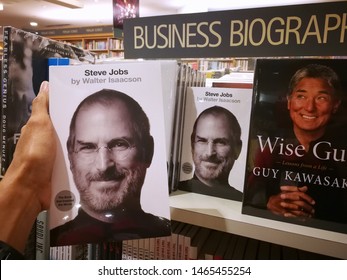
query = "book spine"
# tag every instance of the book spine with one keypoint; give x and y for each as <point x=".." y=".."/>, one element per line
<point x="152" y="249"/>
<point x="157" y="248"/>
<point x="180" y="247"/>
<point x="4" y="90"/>
<point x="111" y="251"/>
<point x="162" y="247"/>
<point x="146" y="248"/>
<point x="52" y="253"/>
<point x="135" y="251"/>
<point x="124" y="249"/>
<point x="174" y="238"/>
<point x="186" y="247"/>
<point x="168" y="253"/>
<point x="141" y="254"/>
<point x="42" y="236"/>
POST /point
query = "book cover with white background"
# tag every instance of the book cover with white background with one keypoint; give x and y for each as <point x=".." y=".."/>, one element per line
<point x="238" y="102"/>
<point x="68" y="87"/>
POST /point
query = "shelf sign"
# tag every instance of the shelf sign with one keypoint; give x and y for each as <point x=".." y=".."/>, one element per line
<point x="77" y="31"/>
<point x="296" y="30"/>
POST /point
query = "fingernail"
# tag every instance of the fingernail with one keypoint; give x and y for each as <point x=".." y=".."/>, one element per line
<point x="44" y="86"/>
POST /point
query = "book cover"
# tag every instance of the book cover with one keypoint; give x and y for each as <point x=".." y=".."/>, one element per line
<point x="215" y="136"/>
<point x="110" y="177"/>
<point x="169" y="73"/>
<point x="24" y="68"/>
<point x="297" y="161"/>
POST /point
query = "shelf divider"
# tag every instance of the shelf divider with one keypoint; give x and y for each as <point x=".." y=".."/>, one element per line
<point x="225" y="215"/>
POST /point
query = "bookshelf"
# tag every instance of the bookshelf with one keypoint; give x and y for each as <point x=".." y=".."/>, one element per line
<point x="116" y="47"/>
<point x="225" y="215"/>
<point x="103" y="45"/>
<point x="1" y="49"/>
<point x="235" y="63"/>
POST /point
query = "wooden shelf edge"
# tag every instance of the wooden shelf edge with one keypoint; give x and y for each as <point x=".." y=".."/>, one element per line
<point x="225" y="215"/>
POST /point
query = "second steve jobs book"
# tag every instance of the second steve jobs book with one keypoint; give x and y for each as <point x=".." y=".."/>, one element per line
<point x="215" y="134"/>
<point x="297" y="160"/>
<point x="110" y="176"/>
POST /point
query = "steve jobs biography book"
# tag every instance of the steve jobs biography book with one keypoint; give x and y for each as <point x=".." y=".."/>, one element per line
<point x="110" y="177"/>
<point x="214" y="142"/>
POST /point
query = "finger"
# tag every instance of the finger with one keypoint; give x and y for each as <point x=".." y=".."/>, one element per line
<point x="289" y="188"/>
<point x="294" y="214"/>
<point x="295" y="196"/>
<point x="293" y="189"/>
<point x="288" y="206"/>
<point x="304" y="207"/>
<point x="298" y="206"/>
<point x="289" y="215"/>
<point x="303" y="189"/>
<point x="307" y="198"/>
<point x="40" y="103"/>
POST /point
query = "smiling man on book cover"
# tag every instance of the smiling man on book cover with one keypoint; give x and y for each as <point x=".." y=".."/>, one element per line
<point x="297" y="164"/>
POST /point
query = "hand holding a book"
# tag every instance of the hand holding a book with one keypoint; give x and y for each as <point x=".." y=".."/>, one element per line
<point x="292" y="201"/>
<point x="26" y="187"/>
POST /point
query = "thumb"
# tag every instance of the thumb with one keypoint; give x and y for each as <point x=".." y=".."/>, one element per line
<point x="40" y="103"/>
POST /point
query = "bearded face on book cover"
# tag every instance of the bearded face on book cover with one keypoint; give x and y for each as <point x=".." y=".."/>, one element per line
<point x="297" y="161"/>
<point x="109" y="182"/>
